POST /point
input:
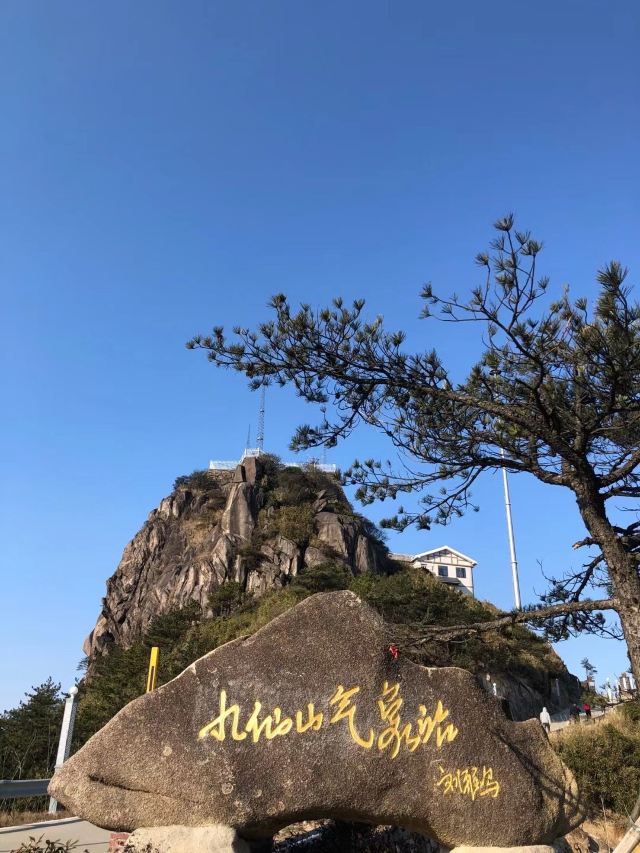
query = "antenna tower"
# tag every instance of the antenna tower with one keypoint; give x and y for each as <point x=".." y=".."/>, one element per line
<point x="260" y="436"/>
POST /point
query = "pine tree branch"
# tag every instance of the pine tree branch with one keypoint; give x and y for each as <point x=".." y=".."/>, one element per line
<point x="448" y="632"/>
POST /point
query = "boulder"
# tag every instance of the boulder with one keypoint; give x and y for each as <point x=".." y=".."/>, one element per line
<point x="185" y="839"/>
<point x="312" y="717"/>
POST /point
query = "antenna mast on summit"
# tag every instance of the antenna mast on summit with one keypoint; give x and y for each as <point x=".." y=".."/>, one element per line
<point x="260" y="436"/>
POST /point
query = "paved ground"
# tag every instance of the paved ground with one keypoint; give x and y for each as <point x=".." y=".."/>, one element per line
<point x="88" y="836"/>
<point x="560" y="724"/>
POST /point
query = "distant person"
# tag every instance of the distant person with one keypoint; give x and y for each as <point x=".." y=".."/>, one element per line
<point x="574" y="714"/>
<point x="587" y="709"/>
<point x="545" y="719"/>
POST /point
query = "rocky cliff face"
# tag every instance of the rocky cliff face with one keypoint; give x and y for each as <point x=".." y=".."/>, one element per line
<point x="526" y="699"/>
<point x="258" y="526"/>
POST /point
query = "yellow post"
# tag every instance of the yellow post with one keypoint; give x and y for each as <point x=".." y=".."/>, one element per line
<point x="152" y="677"/>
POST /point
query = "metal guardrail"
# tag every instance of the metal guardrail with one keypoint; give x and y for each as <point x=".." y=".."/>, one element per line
<point x="13" y="789"/>
<point x="228" y="465"/>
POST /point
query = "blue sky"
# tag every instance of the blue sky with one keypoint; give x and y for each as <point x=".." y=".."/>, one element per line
<point x="168" y="166"/>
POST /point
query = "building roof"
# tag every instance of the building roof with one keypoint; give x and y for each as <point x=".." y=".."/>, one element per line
<point x="434" y="551"/>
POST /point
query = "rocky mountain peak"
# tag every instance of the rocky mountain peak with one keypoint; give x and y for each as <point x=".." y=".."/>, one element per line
<point x="257" y="526"/>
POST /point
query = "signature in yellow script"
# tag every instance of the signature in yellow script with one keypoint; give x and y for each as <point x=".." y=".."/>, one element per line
<point x="342" y="707"/>
<point x="468" y="782"/>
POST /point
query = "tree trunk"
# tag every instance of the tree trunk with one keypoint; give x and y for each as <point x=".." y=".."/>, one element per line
<point x="621" y="565"/>
<point x="630" y="620"/>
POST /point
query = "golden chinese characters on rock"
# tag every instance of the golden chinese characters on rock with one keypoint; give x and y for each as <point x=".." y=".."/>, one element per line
<point x="394" y="735"/>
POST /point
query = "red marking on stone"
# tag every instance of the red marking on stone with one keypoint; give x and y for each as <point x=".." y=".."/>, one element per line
<point x="117" y="841"/>
<point x="393" y="651"/>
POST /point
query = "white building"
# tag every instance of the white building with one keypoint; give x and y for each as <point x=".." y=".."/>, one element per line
<point x="626" y="687"/>
<point x="447" y="564"/>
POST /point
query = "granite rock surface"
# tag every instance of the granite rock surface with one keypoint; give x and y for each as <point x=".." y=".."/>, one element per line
<point x="311" y="717"/>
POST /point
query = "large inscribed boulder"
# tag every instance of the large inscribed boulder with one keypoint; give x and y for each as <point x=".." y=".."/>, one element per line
<point x="313" y="717"/>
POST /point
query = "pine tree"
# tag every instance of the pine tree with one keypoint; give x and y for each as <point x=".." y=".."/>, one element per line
<point x="555" y="394"/>
<point x="29" y="736"/>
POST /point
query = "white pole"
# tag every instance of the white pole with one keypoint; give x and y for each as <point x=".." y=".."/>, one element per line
<point x="512" y="542"/>
<point x="66" y="733"/>
<point x="631" y="840"/>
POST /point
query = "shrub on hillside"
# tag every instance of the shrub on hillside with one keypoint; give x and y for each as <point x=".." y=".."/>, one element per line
<point x="630" y="711"/>
<point x="596" y="700"/>
<point x="606" y="762"/>
<point x="252" y="556"/>
<point x="293" y="522"/>
<point x="203" y="481"/>
<point x="325" y="577"/>
<point x="226" y="598"/>
<point x="292" y="487"/>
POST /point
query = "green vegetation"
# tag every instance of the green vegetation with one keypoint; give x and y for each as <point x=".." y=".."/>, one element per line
<point x="595" y="699"/>
<point x="630" y="711"/>
<point x="29" y="740"/>
<point x="293" y="522"/>
<point x="287" y="485"/>
<point x="20" y="818"/>
<point x="407" y="599"/>
<point x="226" y="598"/>
<point x="202" y="481"/>
<point x="605" y="759"/>
<point x="46" y="845"/>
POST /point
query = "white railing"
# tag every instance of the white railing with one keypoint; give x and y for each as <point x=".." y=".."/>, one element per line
<point x="229" y="465"/>
<point x="252" y="451"/>
<point x="319" y="466"/>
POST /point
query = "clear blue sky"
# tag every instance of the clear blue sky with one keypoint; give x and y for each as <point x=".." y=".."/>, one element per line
<point x="169" y="166"/>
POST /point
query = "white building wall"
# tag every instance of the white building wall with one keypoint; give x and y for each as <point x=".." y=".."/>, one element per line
<point x="451" y="566"/>
<point x="445" y="564"/>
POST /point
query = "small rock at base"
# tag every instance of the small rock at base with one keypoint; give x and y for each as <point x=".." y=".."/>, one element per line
<point x="534" y="848"/>
<point x="186" y="839"/>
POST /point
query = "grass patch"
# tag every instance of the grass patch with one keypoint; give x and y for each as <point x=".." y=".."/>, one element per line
<point x="22" y="818"/>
